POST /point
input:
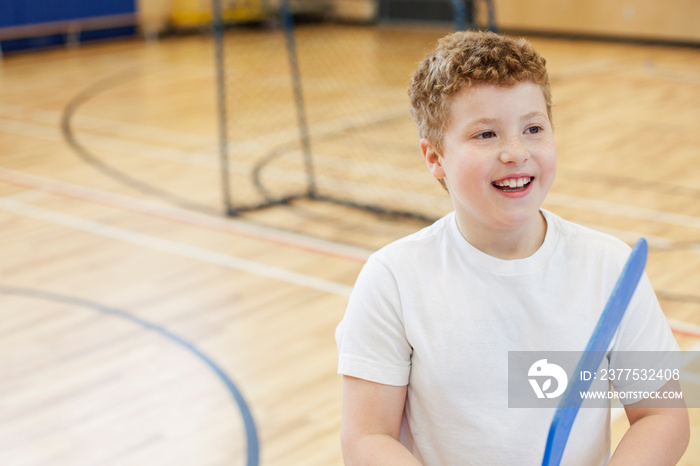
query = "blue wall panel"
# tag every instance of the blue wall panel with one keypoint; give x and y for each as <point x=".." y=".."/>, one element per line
<point x="7" y="13"/>
<point x="104" y="7"/>
<point x="24" y="12"/>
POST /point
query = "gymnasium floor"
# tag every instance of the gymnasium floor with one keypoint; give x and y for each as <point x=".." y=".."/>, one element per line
<point x="131" y="321"/>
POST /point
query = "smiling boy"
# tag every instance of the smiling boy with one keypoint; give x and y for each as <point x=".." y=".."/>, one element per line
<point x="497" y="197"/>
<point x="423" y="344"/>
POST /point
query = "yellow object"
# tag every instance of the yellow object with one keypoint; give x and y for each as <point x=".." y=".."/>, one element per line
<point x="193" y="13"/>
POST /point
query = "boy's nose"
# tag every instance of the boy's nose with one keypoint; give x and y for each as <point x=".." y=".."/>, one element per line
<point x="513" y="151"/>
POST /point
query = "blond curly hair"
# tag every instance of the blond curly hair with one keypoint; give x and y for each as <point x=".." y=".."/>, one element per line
<point x="465" y="58"/>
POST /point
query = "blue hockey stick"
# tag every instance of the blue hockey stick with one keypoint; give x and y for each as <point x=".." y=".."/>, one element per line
<point x="608" y="322"/>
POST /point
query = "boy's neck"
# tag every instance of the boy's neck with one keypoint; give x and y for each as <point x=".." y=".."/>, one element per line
<point x="507" y="244"/>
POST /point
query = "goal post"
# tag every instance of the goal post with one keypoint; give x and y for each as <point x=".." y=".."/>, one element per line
<point x="319" y="110"/>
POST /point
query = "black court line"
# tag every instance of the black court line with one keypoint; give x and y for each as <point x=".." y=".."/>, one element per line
<point x="252" y="443"/>
<point x="98" y="163"/>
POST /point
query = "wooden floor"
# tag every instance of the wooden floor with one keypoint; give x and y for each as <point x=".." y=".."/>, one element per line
<point x="132" y="311"/>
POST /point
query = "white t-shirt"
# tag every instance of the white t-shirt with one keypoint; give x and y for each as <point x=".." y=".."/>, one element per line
<point x="433" y="312"/>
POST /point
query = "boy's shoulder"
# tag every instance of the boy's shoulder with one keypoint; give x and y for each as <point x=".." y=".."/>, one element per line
<point x="424" y="240"/>
<point x="584" y="239"/>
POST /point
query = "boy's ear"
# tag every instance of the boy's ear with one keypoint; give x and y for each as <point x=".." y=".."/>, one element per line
<point x="432" y="159"/>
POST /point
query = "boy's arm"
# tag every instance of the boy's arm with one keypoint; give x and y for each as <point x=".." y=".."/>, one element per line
<point x="659" y="432"/>
<point x="371" y="423"/>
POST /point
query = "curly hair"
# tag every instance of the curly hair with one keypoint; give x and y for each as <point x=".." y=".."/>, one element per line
<point x="463" y="59"/>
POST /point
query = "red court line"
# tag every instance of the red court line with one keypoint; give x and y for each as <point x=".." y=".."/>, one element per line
<point x="684" y="328"/>
<point x="183" y="216"/>
<point x="217" y="224"/>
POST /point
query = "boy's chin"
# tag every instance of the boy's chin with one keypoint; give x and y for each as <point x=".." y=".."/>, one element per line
<point x="521" y="218"/>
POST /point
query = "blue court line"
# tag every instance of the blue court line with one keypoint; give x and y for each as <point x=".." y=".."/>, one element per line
<point x="253" y="447"/>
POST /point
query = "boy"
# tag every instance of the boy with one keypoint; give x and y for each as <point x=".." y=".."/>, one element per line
<point x="424" y="343"/>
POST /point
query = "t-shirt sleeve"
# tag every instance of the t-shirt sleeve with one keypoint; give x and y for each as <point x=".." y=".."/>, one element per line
<point x="644" y="342"/>
<point x="371" y="338"/>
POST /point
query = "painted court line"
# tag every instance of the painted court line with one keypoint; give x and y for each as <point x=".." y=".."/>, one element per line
<point x="252" y="442"/>
<point x="229" y="225"/>
<point x="100" y="134"/>
<point x="172" y="247"/>
<point x="657" y="216"/>
<point x="685" y="328"/>
<point x="98" y="143"/>
<point x="204" y="255"/>
<point x="655" y="242"/>
<point x="197" y="158"/>
<point x="183" y="216"/>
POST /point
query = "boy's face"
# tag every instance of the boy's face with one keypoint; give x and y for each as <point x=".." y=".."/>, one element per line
<point x="499" y="157"/>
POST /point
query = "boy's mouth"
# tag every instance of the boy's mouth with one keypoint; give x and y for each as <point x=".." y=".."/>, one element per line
<point x="513" y="185"/>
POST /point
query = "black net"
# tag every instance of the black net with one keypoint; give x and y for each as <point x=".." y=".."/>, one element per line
<point x="320" y="110"/>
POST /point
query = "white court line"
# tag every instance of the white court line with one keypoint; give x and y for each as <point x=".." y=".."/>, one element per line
<point x="85" y="124"/>
<point x="175" y="155"/>
<point x="204" y="159"/>
<point x="200" y="254"/>
<point x="184" y="216"/>
<point x="658" y="216"/>
<point x="172" y="247"/>
<point x="104" y="126"/>
<point x="687" y="328"/>
<point x="656" y="242"/>
<point x="198" y="158"/>
<point x="229" y="225"/>
<point x="631" y="237"/>
<point x="201" y="159"/>
<point x="418" y="175"/>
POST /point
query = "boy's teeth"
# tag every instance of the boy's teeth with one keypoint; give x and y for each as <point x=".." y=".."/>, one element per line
<point x="514" y="183"/>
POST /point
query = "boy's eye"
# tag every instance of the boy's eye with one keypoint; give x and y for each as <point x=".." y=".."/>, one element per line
<point x="533" y="130"/>
<point x="486" y="135"/>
